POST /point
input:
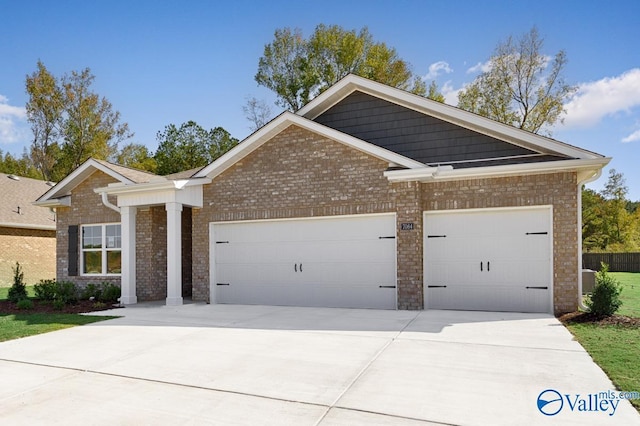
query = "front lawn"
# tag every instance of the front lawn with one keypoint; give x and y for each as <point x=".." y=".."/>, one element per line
<point x="615" y="344"/>
<point x="14" y="326"/>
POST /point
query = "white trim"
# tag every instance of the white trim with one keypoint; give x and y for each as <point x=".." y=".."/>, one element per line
<point x="285" y="219"/>
<point x="54" y="202"/>
<point x="548" y="207"/>
<point x="27" y="226"/>
<point x="433" y="174"/>
<point x="287" y="119"/>
<point x="119" y="188"/>
<point x="102" y="250"/>
<point x="352" y="83"/>
<point x="65" y="184"/>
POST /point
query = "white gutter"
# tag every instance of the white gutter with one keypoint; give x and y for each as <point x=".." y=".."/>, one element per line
<point x="429" y="174"/>
<point x="580" y="185"/>
<point x="107" y="203"/>
<point x="26" y="226"/>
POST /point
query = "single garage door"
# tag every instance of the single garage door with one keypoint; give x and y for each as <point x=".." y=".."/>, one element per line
<point x="345" y="262"/>
<point x="489" y="260"/>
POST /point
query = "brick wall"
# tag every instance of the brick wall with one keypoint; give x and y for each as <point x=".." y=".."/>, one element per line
<point x="556" y="189"/>
<point x="34" y="249"/>
<point x="151" y="253"/>
<point x="296" y="174"/>
<point x="86" y="208"/>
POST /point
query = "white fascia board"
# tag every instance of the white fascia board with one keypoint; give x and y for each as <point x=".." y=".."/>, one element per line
<point x="287" y="119"/>
<point x="445" y="112"/>
<point x="117" y="189"/>
<point x="82" y="172"/>
<point x="27" y="226"/>
<point x="54" y="202"/>
<point x="432" y="174"/>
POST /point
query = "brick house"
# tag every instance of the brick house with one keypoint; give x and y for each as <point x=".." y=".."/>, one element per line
<point x="367" y="197"/>
<point x="27" y="232"/>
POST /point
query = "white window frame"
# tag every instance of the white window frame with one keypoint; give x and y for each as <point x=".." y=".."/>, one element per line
<point x="103" y="249"/>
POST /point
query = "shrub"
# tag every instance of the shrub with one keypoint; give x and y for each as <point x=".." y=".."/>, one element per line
<point x="66" y="292"/>
<point x="58" y="305"/>
<point x="99" y="305"/>
<point x="25" y="304"/>
<point x="51" y="290"/>
<point x="605" y="299"/>
<point x="104" y="292"/>
<point x="18" y="290"/>
<point x="45" y="290"/>
<point x="110" y="293"/>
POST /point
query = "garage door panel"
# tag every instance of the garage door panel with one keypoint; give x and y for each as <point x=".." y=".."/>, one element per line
<point x="334" y="262"/>
<point x="488" y="259"/>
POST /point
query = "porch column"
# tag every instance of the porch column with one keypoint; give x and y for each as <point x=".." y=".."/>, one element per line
<point x="174" y="253"/>
<point x="128" y="260"/>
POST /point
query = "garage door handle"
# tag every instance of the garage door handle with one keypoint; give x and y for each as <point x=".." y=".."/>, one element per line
<point x="387" y="286"/>
<point x="436" y="286"/>
<point x="295" y="267"/>
<point x="488" y="266"/>
<point x="222" y="283"/>
<point x="480" y="266"/>
<point x="537" y="233"/>
<point x="301" y="267"/>
<point x="538" y="288"/>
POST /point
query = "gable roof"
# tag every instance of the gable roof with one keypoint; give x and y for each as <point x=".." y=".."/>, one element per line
<point x="16" y="209"/>
<point x="57" y="195"/>
<point x="287" y="119"/>
<point x="457" y="116"/>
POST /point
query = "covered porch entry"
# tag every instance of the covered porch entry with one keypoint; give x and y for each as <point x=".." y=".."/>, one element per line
<point x="156" y="237"/>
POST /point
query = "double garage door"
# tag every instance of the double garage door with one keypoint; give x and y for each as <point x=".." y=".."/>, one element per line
<point x="330" y="262"/>
<point x="490" y="260"/>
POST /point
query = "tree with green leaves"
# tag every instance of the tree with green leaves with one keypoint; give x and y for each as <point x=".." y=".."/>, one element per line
<point x="298" y="69"/>
<point x="70" y="122"/>
<point x="607" y="225"/>
<point x="190" y="146"/>
<point x="137" y="156"/>
<point x="22" y="166"/>
<point x="523" y="87"/>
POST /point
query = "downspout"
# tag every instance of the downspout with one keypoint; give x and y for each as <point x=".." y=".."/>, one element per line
<point x="580" y="185"/>
<point x="107" y="203"/>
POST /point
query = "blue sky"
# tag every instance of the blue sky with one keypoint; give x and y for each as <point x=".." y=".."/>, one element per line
<point x="161" y="62"/>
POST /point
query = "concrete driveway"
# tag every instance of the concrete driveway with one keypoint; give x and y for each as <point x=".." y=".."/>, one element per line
<point x="263" y="365"/>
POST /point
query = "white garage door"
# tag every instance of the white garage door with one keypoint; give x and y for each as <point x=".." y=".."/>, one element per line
<point x="331" y="262"/>
<point x="493" y="260"/>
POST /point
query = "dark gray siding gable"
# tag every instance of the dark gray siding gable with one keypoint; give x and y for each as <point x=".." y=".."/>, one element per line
<point x="418" y="136"/>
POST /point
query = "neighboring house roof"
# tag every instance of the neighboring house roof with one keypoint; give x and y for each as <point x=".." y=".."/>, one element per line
<point x="16" y="209"/>
<point x="59" y="194"/>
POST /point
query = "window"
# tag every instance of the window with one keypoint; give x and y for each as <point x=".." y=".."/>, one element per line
<point x="101" y="249"/>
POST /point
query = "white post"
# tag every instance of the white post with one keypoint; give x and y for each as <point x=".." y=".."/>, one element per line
<point x="174" y="253"/>
<point x="128" y="275"/>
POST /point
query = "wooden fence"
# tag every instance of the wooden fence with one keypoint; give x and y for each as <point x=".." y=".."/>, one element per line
<point x="618" y="262"/>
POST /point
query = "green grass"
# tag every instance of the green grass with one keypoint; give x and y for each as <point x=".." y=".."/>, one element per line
<point x="4" y="291"/>
<point x="616" y="349"/>
<point x="630" y="293"/>
<point x="23" y="325"/>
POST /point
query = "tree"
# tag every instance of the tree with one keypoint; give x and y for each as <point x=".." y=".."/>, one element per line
<point x="523" y="87"/>
<point x="298" y="70"/>
<point x="190" y="146"/>
<point x="607" y="224"/>
<point x="137" y="156"/>
<point x="257" y="112"/>
<point x="70" y="122"/>
<point x="23" y="166"/>
<point x="434" y="93"/>
<point x="91" y="128"/>
<point x="45" y="110"/>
